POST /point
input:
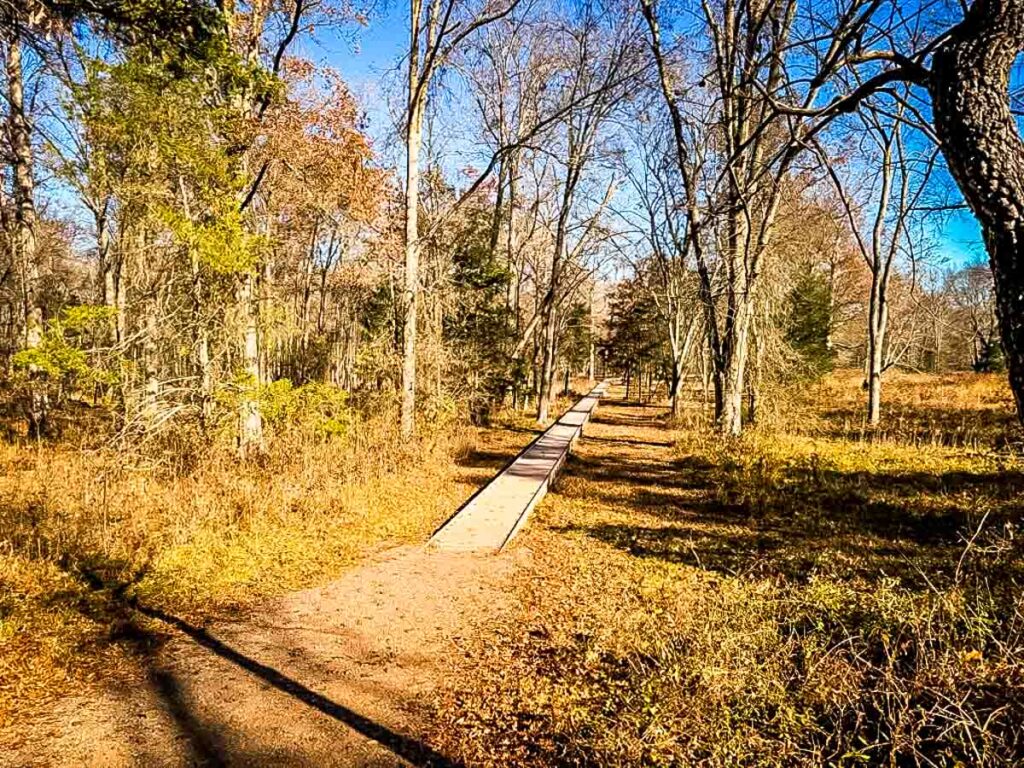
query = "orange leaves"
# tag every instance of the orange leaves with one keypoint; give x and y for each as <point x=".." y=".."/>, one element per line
<point x="320" y="159"/>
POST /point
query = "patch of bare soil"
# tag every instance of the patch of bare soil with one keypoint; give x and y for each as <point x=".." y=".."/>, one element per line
<point x="335" y="676"/>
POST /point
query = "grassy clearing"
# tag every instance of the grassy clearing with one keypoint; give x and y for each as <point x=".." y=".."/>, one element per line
<point x="811" y="595"/>
<point x="85" y="530"/>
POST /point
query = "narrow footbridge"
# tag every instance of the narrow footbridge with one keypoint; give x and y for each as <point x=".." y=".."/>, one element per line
<point x="490" y="519"/>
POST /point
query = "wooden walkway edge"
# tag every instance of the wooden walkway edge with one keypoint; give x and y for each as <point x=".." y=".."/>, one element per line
<point x="496" y="513"/>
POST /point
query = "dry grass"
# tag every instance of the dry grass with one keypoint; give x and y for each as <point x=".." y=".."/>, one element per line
<point x="192" y="532"/>
<point x="809" y="596"/>
<point x="960" y="410"/>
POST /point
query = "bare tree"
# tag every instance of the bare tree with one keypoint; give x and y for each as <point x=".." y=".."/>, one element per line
<point x="436" y="29"/>
<point x="884" y="205"/>
<point x="658" y="217"/>
<point x="965" y="67"/>
<point x="19" y="138"/>
<point x="971" y="290"/>
<point x="732" y="205"/>
<point x="597" y="53"/>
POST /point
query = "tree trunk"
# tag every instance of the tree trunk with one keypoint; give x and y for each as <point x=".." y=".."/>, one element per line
<point x="20" y="138"/>
<point x="204" y="364"/>
<point x="733" y="372"/>
<point x="985" y="153"/>
<point x="675" y="385"/>
<point x="681" y="349"/>
<point x="151" y="376"/>
<point x="549" y="311"/>
<point x="877" y="321"/>
<point x="547" y="367"/>
<point x="106" y="278"/>
<point x="550" y="308"/>
<point x="592" y="351"/>
<point x="732" y="363"/>
<point x="410" y="300"/>
<point x="250" y="418"/>
<point x="754" y="380"/>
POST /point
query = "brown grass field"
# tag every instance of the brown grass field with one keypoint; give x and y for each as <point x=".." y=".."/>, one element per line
<point x="85" y="527"/>
<point x="815" y="594"/>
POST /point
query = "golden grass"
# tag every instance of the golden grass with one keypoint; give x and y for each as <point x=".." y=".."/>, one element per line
<point x="809" y="595"/>
<point x="969" y="410"/>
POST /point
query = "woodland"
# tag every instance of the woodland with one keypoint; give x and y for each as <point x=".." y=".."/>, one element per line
<point x="258" y="322"/>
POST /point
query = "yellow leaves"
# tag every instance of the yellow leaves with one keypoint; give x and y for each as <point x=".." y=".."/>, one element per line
<point x="221" y="243"/>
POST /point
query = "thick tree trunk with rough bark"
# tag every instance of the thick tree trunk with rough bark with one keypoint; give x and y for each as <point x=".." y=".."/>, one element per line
<point x="983" y="147"/>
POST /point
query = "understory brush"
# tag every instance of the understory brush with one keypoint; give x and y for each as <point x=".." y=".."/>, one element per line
<point x="696" y="670"/>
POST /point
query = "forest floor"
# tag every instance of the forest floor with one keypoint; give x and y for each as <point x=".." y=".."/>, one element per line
<point x="816" y="593"/>
<point x="211" y="667"/>
<point x="803" y="597"/>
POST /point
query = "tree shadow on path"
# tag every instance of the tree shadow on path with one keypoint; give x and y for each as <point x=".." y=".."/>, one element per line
<point x="205" y="743"/>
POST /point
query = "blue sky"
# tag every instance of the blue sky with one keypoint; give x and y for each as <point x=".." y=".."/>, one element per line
<point x="962" y="237"/>
<point x="369" y="57"/>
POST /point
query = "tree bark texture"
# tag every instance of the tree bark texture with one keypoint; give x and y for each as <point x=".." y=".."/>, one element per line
<point x="983" y="148"/>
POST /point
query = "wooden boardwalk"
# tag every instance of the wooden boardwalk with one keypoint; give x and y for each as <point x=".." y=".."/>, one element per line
<point x="490" y="519"/>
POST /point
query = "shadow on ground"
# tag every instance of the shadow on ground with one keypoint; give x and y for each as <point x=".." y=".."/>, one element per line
<point x="794" y="521"/>
<point x="205" y="742"/>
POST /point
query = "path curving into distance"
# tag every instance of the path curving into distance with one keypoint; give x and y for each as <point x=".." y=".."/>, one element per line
<point x="495" y="514"/>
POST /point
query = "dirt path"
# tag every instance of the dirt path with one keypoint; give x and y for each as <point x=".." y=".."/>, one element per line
<point x="328" y="677"/>
<point x="585" y="590"/>
<point x="342" y="675"/>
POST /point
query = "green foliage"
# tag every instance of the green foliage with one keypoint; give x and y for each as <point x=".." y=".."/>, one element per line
<point x="635" y="330"/>
<point x="991" y="358"/>
<point x="481" y="328"/>
<point x="179" y="30"/>
<point x="170" y="148"/>
<point x="222" y="244"/>
<point x="574" y="347"/>
<point x="64" y="351"/>
<point x="322" y="406"/>
<point x="809" y="322"/>
<point x="312" y="408"/>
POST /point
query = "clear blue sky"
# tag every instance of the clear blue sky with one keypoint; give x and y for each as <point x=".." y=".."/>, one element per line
<point x="367" y="58"/>
<point x="962" y="237"/>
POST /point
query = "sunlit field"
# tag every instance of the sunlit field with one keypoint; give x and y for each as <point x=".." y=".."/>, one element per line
<point x="816" y="593"/>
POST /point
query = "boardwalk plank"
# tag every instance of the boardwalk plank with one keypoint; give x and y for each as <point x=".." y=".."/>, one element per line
<point x="493" y="516"/>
